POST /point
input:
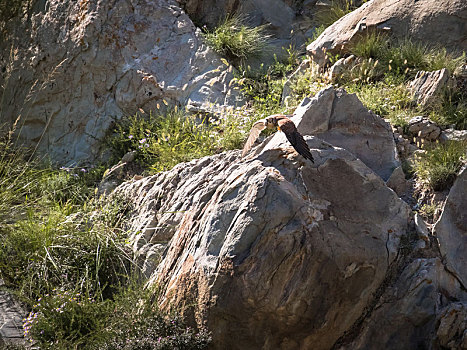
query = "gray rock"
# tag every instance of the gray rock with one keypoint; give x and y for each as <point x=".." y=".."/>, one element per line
<point x="341" y="119"/>
<point x="406" y="316"/>
<point x="451" y="229"/>
<point x="401" y="18"/>
<point x="452" y="330"/>
<point x="272" y="251"/>
<point x="79" y="65"/>
<point x="427" y="86"/>
<point x="11" y="319"/>
<point x="422" y="232"/>
<point x="397" y="182"/>
<point x="424" y="128"/>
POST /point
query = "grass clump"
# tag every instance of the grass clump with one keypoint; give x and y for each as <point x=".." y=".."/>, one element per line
<point x="450" y="109"/>
<point x="336" y="10"/>
<point x="404" y="57"/>
<point x="130" y="321"/>
<point x="437" y="167"/>
<point x="65" y="255"/>
<point x="237" y="41"/>
<point x="162" y="141"/>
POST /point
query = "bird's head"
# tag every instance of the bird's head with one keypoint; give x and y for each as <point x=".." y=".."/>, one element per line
<point x="271" y="122"/>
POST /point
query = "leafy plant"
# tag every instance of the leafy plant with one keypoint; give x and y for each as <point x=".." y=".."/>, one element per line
<point x="237" y="41"/>
<point x="437" y="167"/>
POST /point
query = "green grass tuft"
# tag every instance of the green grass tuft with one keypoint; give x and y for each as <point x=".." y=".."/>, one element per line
<point x="237" y="41"/>
<point x="438" y="166"/>
<point x="336" y="10"/>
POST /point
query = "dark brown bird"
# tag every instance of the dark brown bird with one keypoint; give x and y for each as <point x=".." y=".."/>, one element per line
<point x="284" y="124"/>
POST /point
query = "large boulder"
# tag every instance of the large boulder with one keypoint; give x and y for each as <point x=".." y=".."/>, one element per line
<point x="271" y="251"/>
<point x="434" y="22"/>
<point x="76" y="66"/>
<point x="340" y="118"/>
<point x="451" y="229"/>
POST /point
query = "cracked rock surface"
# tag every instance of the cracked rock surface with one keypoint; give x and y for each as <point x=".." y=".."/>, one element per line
<point x="75" y="66"/>
<point x="271" y="250"/>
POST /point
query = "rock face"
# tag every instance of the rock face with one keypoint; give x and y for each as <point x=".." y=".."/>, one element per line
<point x="273" y="250"/>
<point x="341" y="119"/>
<point x="79" y="65"/>
<point x="11" y="319"/>
<point x="427" y="86"/>
<point x="408" y="315"/>
<point x="451" y="229"/>
<point x="421" y="20"/>
<point x="424" y="128"/>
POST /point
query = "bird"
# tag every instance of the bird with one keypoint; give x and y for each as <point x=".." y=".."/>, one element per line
<point x="283" y="123"/>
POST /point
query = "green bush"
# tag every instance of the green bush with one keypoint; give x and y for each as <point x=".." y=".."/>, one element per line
<point x="237" y="41"/>
<point x="438" y="166"/>
<point x="131" y="320"/>
<point x="60" y="249"/>
<point x="65" y="320"/>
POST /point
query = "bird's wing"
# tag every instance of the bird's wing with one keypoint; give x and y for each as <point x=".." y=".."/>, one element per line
<point x="254" y="133"/>
<point x="296" y="139"/>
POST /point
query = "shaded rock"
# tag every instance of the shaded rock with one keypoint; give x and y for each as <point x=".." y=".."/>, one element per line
<point x="118" y="173"/>
<point x="11" y="319"/>
<point x="452" y="329"/>
<point x="341" y="119"/>
<point x="272" y="251"/>
<point x="78" y="66"/>
<point x="427" y="86"/>
<point x="422" y="232"/>
<point x="421" y="20"/>
<point x="397" y="182"/>
<point x="424" y="128"/>
<point x="406" y="314"/>
<point x="451" y="229"/>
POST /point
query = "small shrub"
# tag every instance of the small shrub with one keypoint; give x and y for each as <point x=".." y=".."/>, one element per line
<point x="438" y="166"/>
<point x="404" y="57"/>
<point x="237" y="41"/>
